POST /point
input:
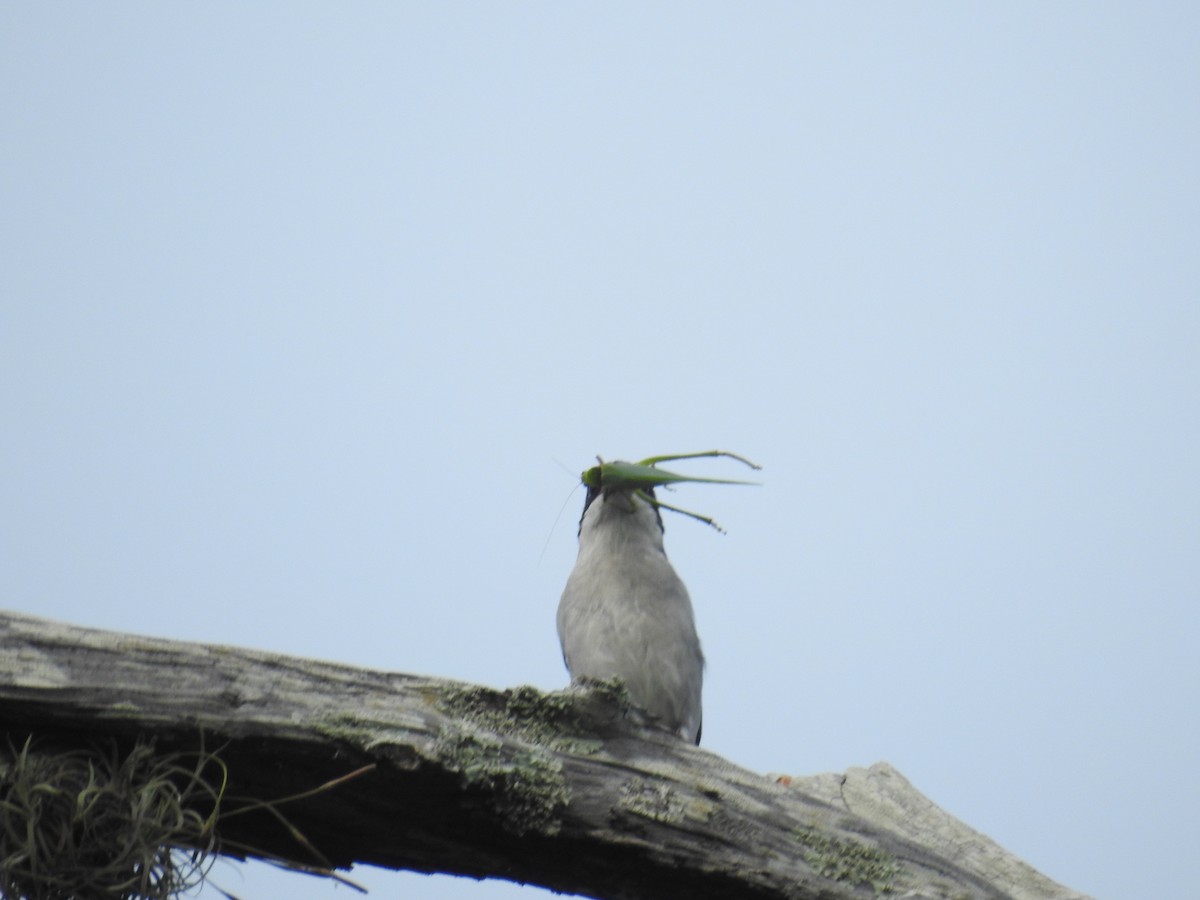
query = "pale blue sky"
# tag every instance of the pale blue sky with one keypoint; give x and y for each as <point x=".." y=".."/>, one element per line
<point x="309" y="312"/>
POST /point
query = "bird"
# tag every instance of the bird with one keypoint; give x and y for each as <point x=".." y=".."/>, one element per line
<point x="626" y="613"/>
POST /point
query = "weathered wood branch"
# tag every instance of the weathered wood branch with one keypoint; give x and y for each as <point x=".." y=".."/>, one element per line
<point x="566" y="790"/>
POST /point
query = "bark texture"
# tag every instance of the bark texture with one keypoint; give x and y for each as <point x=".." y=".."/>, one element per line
<point x="568" y="790"/>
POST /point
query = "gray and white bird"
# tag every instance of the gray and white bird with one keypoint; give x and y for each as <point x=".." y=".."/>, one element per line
<point x="626" y="613"/>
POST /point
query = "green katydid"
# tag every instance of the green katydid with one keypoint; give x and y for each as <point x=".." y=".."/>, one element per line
<point x="644" y="474"/>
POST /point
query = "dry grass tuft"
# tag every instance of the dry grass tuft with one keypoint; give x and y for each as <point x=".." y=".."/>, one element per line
<point x="101" y="824"/>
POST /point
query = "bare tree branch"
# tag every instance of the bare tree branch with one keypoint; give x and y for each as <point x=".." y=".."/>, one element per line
<point x="566" y="790"/>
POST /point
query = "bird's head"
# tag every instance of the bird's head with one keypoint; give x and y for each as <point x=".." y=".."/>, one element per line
<point x="618" y="498"/>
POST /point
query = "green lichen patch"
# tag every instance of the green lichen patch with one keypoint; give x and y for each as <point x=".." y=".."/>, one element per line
<point x="657" y="802"/>
<point x="611" y="691"/>
<point x="375" y="734"/>
<point x="525" y="786"/>
<point x="661" y="803"/>
<point x="549" y="720"/>
<point x="847" y="860"/>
